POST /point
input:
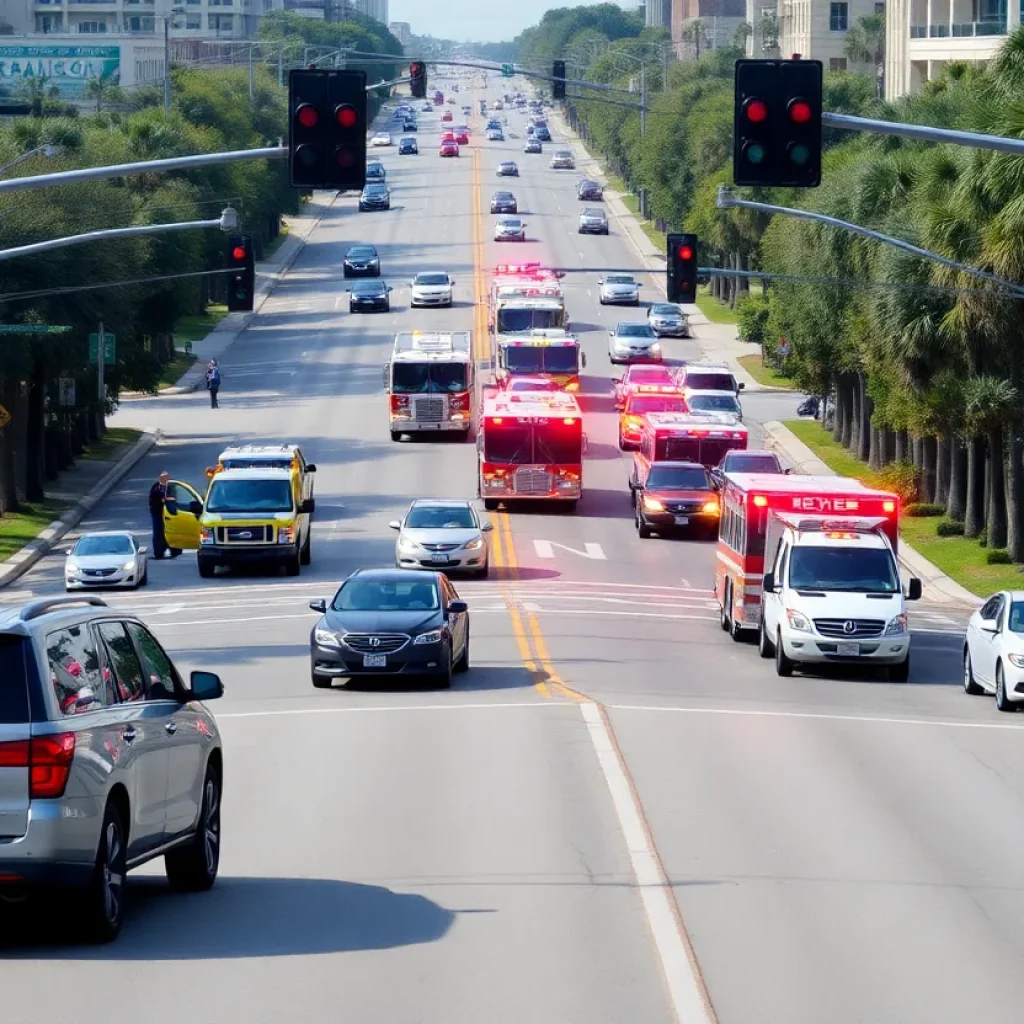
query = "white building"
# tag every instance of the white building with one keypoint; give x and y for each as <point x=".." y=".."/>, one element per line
<point x="922" y="36"/>
<point x="817" y="29"/>
<point x="376" y="9"/>
<point x="658" y="14"/>
<point x="402" y="31"/>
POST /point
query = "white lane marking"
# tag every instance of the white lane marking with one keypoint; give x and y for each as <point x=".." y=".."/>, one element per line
<point x="868" y="719"/>
<point x="686" y="988"/>
<point x="226" y="622"/>
<point x="398" y="707"/>
<point x="546" y="549"/>
<point x="168" y="609"/>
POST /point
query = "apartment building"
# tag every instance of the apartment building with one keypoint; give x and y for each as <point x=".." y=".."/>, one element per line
<point x="402" y="31"/>
<point x="922" y="36"/>
<point x="817" y="29"/>
<point x="658" y="13"/>
<point x="699" y="25"/>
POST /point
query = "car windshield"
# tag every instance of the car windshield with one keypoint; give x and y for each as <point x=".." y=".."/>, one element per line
<point x="647" y="375"/>
<point x="361" y="252"/>
<point x="619" y="279"/>
<point x="431" y="279"/>
<point x="501" y="197"/>
<point x="655" y="403"/>
<point x="742" y="463"/>
<point x="368" y="288"/>
<point x="104" y="546"/>
<point x="255" y="496"/>
<point x="1016" y="621"/>
<point x="428" y="378"/>
<point x="714" y="403"/>
<point x="663" y="309"/>
<point x="599" y="214"/>
<point x="853" y="568"/>
<point x="690" y="478"/>
<point x="510" y="222"/>
<point x="440" y="517"/>
<point x="360" y="595"/>
<point x="699" y="381"/>
<point x="548" y="442"/>
<point x="634" y="331"/>
<point x="507" y="167"/>
<point x="376" y="190"/>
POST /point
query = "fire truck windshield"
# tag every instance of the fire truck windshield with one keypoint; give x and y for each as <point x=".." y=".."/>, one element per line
<point x="516" y="321"/>
<point x="427" y="378"/>
<point x="657" y="403"/>
<point x="542" y="358"/>
<point x="862" y="570"/>
<point x="522" y="444"/>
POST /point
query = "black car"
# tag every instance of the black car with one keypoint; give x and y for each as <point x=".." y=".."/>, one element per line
<point x="390" y="622"/>
<point x="589" y="191"/>
<point x="361" y="261"/>
<point x="669" y="496"/>
<point x="375" y="171"/>
<point x="375" y="197"/>
<point x="365" y="296"/>
<point x="407" y="146"/>
<point x="504" y="202"/>
<point x="410" y="126"/>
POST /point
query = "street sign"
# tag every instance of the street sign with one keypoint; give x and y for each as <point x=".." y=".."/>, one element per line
<point x="5" y="417"/>
<point x="507" y="70"/>
<point x="109" y="348"/>
<point x="66" y="390"/>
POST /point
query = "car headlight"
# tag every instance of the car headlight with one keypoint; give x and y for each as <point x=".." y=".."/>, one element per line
<point x="433" y="637"/>
<point x="798" y="621"/>
<point x="285" y="534"/>
<point x="71" y="566"/>
<point x="129" y="565"/>
<point x="711" y="508"/>
<point x="655" y="347"/>
<point x="205" y="535"/>
<point x="406" y="542"/>
<point x="325" y="637"/>
<point x="1016" y="659"/>
<point x="475" y="544"/>
<point x="898" y="626"/>
<point x="653" y="505"/>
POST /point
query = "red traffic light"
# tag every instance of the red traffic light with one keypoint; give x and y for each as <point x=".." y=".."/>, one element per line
<point x="307" y="116"/>
<point x="756" y="111"/>
<point x="799" y="111"/>
<point x="416" y="68"/>
<point x="685" y="252"/>
<point x="238" y="253"/>
<point x="347" y="116"/>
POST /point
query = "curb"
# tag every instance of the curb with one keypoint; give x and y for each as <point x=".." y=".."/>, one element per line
<point x="21" y="561"/>
<point x="938" y="586"/>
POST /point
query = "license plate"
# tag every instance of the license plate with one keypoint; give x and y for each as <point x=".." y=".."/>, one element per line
<point x="375" y="660"/>
<point x="682" y="520"/>
<point x="848" y="650"/>
<point x="439" y="558"/>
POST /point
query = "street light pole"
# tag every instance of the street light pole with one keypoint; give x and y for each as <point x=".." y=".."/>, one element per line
<point x="171" y="12"/>
<point x="643" y="100"/>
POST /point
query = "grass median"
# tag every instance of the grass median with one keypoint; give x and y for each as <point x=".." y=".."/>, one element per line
<point x="18" y="529"/>
<point x="112" y="445"/>
<point x="766" y="376"/>
<point x="961" y="559"/>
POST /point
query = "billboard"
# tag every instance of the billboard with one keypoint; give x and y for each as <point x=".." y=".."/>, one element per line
<point x="67" y="67"/>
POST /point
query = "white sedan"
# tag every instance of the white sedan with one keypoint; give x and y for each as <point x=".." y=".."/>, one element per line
<point x="381" y="139"/>
<point x="431" y="288"/>
<point x="509" y="229"/>
<point x="994" y="649"/>
<point x="619" y="289"/>
<point x="111" y="558"/>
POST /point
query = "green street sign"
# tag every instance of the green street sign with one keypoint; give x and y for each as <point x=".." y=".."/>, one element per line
<point x="507" y="70"/>
<point x="109" y="348"/>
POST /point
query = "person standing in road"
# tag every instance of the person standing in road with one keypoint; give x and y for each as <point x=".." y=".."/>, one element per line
<point x="157" y="500"/>
<point x="213" y="381"/>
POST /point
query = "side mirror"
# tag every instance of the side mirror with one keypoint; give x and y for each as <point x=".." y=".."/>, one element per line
<point x="311" y="468"/>
<point x="143" y="550"/>
<point x="195" y="507"/>
<point x="914" y="590"/>
<point x="458" y="606"/>
<point x="768" y="583"/>
<point x="600" y="280"/>
<point x="395" y="524"/>
<point x="787" y="472"/>
<point x="306" y="507"/>
<point x="583" y="360"/>
<point x="318" y="604"/>
<point x="206" y="686"/>
<point x="451" y="282"/>
<point x="487" y="527"/>
<point x="67" y="551"/>
<point x="740" y="386"/>
<point x="990" y="625"/>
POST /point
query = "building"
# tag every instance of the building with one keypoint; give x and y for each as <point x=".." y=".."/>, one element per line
<point x="658" y="14"/>
<point x="763" y="38"/>
<point x="376" y="9"/>
<point x="402" y="31"/>
<point x="922" y="36"/>
<point x="699" y="25"/>
<point x="816" y="29"/>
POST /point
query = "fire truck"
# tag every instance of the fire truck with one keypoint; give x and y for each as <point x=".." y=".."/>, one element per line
<point x="748" y="500"/>
<point x="430" y="383"/>
<point x="688" y="437"/>
<point x="551" y="353"/>
<point x="530" y="447"/>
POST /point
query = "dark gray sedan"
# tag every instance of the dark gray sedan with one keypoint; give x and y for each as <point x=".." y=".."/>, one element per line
<point x="390" y="622"/>
<point x="369" y="297"/>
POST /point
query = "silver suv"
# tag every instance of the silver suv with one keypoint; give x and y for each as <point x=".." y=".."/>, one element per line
<point x="107" y="758"/>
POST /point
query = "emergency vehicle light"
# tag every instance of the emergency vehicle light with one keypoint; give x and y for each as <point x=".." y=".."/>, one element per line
<point x="834" y="535"/>
<point x="888" y="506"/>
<point x="760" y="501"/>
<point x="569" y="421"/>
<point x="495" y="419"/>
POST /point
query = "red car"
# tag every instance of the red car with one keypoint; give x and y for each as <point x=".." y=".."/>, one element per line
<point x="642" y="374"/>
<point x="449" y="149"/>
<point x="462" y="138"/>
<point x="446" y="116"/>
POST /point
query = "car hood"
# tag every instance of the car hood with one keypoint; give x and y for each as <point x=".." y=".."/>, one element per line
<point x="382" y="622"/>
<point x="633" y="340"/>
<point x="360" y="261"/>
<point x="667" y="318"/>
<point x="680" y="494"/>
<point x="451" y="536"/>
<point x="99" y="561"/>
<point x="624" y="288"/>
<point x="842" y="605"/>
<point x="431" y="289"/>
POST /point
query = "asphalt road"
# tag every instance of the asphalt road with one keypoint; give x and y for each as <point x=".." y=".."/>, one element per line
<point x="618" y="812"/>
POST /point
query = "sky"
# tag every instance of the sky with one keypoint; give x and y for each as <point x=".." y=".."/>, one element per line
<point x="485" y="21"/>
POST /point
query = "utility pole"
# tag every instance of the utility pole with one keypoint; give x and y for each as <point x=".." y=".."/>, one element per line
<point x="664" y="68"/>
<point x="643" y="100"/>
<point x="280" y="65"/>
<point x="101" y="384"/>
<point x="252" y="90"/>
<point x="167" y="79"/>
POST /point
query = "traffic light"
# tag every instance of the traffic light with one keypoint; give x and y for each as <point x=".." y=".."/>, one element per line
<point x="777" y="127"/>
<point x="242" y="279"/>
<point x="558" y="85"/>
<point x="682" y="269"/>
<point x="327" y="140"/>
<point x="418" y="74"/>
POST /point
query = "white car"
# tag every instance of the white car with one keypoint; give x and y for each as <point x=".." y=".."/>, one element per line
<point x="994" y="649"/>
<point x="105" y="559"/>
<point x="723" y="403"/>
<point x="431" y="288"/>
<point x="442" y="534"/>
<point x="509" y="229"/>
<point x="563" y="160"/>
<point x="619" y="290"/>
<point x="381" y="139"/>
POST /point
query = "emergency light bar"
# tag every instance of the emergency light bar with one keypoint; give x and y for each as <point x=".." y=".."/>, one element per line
<point x="823" y="524"/>
<point x="658" y="389"/>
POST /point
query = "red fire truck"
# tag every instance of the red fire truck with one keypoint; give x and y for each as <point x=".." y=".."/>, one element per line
<point x="530" y="447"/>
<point x="689" y="437"/>
<point x="747" y="499"/>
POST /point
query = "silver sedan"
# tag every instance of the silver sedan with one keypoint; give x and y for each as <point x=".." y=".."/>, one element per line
<point x="442" y="534"/>
<point x="105" y="559"/>
<point x="619" y="289"/>
<point x="668" y="320"/>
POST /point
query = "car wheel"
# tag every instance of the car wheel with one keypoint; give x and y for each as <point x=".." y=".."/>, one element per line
<point x="396" y="435"/>
<point x="294" y="565"/>
<point x="736" y="630"/>
<point x="444" y="677"/>
<point x="622" y="442"/>
<point x="103" y="910"/>
<point x="462" y="665"/>
<point x="783" y="666"/>
<point x="351" y="308"/>
<point x="642" y="529"/>
<point x="764" y="645"/>
<point x="1003" y="703"/>
<point x="900" y="673"/>
<point x="971" y="685"/>
<point x="206" y="568"/>
<point x="306" y="553"/>
<point x="491" y="504"/>
<point x="483" y="572"/>
<point x="193" y="867"/>
<point x="723" y="611"/>
<point x="601" y="301"/>
<point x="321" y="682"/>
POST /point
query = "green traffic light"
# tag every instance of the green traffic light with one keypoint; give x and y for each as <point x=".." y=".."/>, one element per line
<point x="754" y="153"/>
<point x="799" y="155"/>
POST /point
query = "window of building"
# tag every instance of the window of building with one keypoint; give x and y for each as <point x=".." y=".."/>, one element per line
<point x="91" y="27"/>
<point x="839" y="17"/>
<point x="221" y="22"/>
<point x="140" y="24"/>
<point x="49" y="23"/>
<point x="194" y="22"/>
<point x="879" y="8"/>
<point x="837" y="63"/>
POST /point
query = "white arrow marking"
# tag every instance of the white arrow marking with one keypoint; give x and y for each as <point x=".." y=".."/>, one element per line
<point x="546" y="549"/>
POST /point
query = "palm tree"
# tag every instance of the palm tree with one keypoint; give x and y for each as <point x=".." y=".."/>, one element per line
<point x="865" y="44"/>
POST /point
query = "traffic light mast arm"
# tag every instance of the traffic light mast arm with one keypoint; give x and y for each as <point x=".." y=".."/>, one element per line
<point x="726" y="199"/>
<point x="924" y="133"/>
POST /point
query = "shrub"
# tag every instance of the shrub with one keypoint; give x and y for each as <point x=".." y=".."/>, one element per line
<point x="949" y="528"/>
<point x="901" y="478"/>
<point x="924" y="509"/>
<point x="998" y="556"/>
<point x="752" y="319"/>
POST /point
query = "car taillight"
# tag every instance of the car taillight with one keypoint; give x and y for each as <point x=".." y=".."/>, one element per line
<point x="14" y="754"/>
<point x="50" y="760"/>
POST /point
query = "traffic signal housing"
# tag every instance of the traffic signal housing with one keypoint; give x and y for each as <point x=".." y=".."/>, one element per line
<point x="418" y="76"/>
<point x="682" y="269"/>
<point x="777" y="123"/>
<point x="242" y="279"/>
<point x="327" y="136"/>
<point x="558" y="85"/>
